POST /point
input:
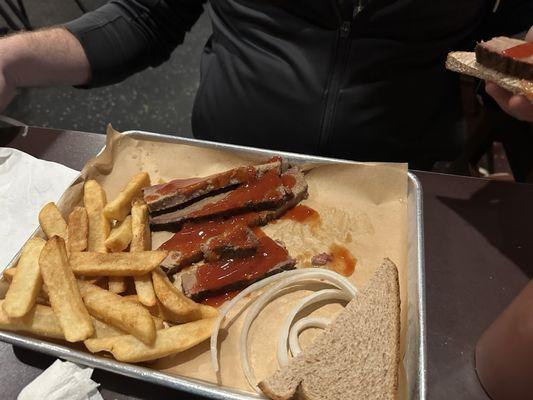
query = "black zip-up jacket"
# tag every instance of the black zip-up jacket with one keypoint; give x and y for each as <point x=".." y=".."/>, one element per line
<point x="353" y="79"/>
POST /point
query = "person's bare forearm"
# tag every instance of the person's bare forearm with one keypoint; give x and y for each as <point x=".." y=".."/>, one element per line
<point x="43" y="58"/>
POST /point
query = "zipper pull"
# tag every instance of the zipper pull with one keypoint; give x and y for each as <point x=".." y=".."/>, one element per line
<point x="346" y="27"/>
<point x="358" y="8"/>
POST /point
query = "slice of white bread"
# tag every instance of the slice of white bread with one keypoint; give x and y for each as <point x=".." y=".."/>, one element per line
<point x="465" y="62"/>
<point x="356" y="357"/>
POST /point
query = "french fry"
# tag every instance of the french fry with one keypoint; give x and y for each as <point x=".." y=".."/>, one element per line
<point x="52" y="222"/>
<point x="168" y="341"/>
<point x="182" y="308"/>
<point x="120" y="236"/>
<point x="115" y="264"/>
<point x="9" y="273"/>
<point x="131" y="297"/>
<point x="41" y="321"/>
<point x="158" y="322"/>
<point x="156" y="316"/>
<point x="158" y="311"/>
<point x="120" y="207"/>
<point x="77" y="230"/>
<point x="142" y="241"/>
<point x="118" y="240"/>
<point x="42" y="297"/>
<point x="116" y="284"/>
<point x="102" y="330"/>
<point x="27" y="281"/>
<point x="94" y="199"/>
<point x="125" y="315"/>
<point x="63" y="291"/>
<point x="4" y="285"/>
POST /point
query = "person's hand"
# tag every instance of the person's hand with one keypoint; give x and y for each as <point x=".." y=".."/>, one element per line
<point x="515" y="105"/>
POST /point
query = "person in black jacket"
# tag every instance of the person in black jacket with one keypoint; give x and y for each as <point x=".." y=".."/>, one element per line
<point x="355" y="79"/>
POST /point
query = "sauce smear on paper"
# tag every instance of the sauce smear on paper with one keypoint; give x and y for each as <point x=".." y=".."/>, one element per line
<point x="343" y="260"/>
<point x="302" y="214"/>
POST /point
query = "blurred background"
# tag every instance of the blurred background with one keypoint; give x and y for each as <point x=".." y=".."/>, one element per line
<point x="161" y="99"/>
<point x="158" y="100"/>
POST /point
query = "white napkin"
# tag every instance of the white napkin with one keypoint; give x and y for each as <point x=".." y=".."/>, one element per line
<point x="26" y="184"/>
<point x="63" y="380"/>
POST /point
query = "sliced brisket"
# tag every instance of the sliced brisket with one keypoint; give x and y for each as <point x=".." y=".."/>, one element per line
<point x="264" y="193"/>
<point x="222" y="276"/>
<point x="180" y="191"/>
<point x="186" y="245"/>
<point x="237" y="242"/>
<point x="510" y="56"/>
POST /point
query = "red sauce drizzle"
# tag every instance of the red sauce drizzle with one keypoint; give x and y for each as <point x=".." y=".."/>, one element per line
<point x="524" y="50"/>
<point x="219" y="299"/>
<point x="288" y="180"/>
<point x="301" y="214"/>
<point x="222" y="273"/>
<point x="188" y="186"/>
<point x="237" y="175"/>
<point x="192" y="235"/>
<point x="343" y="261"/>
<point x="266" y="188"/>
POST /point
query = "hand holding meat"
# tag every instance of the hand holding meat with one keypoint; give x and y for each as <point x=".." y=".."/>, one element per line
<point x="517" y="106"/>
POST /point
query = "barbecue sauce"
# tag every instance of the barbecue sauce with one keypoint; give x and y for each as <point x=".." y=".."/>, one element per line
<point x="524" y="50"/>
<point x="268" y="188"/>
<point x="288" y="180"/>
<point x="302" y="214"/>
<point x="221" y="180"/>
<point x="343" y="261"/>
<point x="213" y="276"/>
<point x="189" y="239"/>
<point x="188" y="186"/>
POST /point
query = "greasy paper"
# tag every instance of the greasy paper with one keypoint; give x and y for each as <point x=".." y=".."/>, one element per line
<point x="362" y="207"/>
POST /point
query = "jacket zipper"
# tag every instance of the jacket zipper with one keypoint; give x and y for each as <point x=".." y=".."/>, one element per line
<point x="340" y="57"/>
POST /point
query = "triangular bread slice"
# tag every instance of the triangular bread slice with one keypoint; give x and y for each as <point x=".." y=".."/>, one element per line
<point x="357" y="356"/>
<point x="465" y="62"/>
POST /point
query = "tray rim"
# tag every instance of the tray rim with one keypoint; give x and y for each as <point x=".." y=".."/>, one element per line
<point x="203" y="388"/>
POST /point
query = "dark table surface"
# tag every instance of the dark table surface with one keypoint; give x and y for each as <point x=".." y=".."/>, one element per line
<point x="478" y="246"/>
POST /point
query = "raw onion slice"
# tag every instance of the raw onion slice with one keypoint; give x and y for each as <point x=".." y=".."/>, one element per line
<point x="226" y="307"/>
<point x="300" y="326"/>
<point x="326" y="294"/>
<point x="341" y="282"/>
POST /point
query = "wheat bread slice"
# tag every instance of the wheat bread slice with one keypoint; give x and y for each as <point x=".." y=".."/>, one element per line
<point x="465" y="62"/>
<point x="356" y="357"/>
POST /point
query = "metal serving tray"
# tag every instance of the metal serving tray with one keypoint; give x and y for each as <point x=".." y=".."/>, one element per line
<point x="415" y="354"/>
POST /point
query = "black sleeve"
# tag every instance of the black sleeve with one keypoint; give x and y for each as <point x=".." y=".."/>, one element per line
<point x="511" y="17"/>
<point x="125" y="36"/>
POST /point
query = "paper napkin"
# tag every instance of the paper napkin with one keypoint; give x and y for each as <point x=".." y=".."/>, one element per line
<point x="26" y="184"/>
<point x="63" y="380"/>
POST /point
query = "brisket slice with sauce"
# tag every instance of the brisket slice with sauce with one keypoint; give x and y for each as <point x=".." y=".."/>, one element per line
<point x="185" y="246"/>
<point x="234" y="241"/>
<point x="233" y="274"/>
<point x="507" y="55"/>
<point x="238" y="242"/>
<point x="180" y="191"/>
<point x="266" y="192"/>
